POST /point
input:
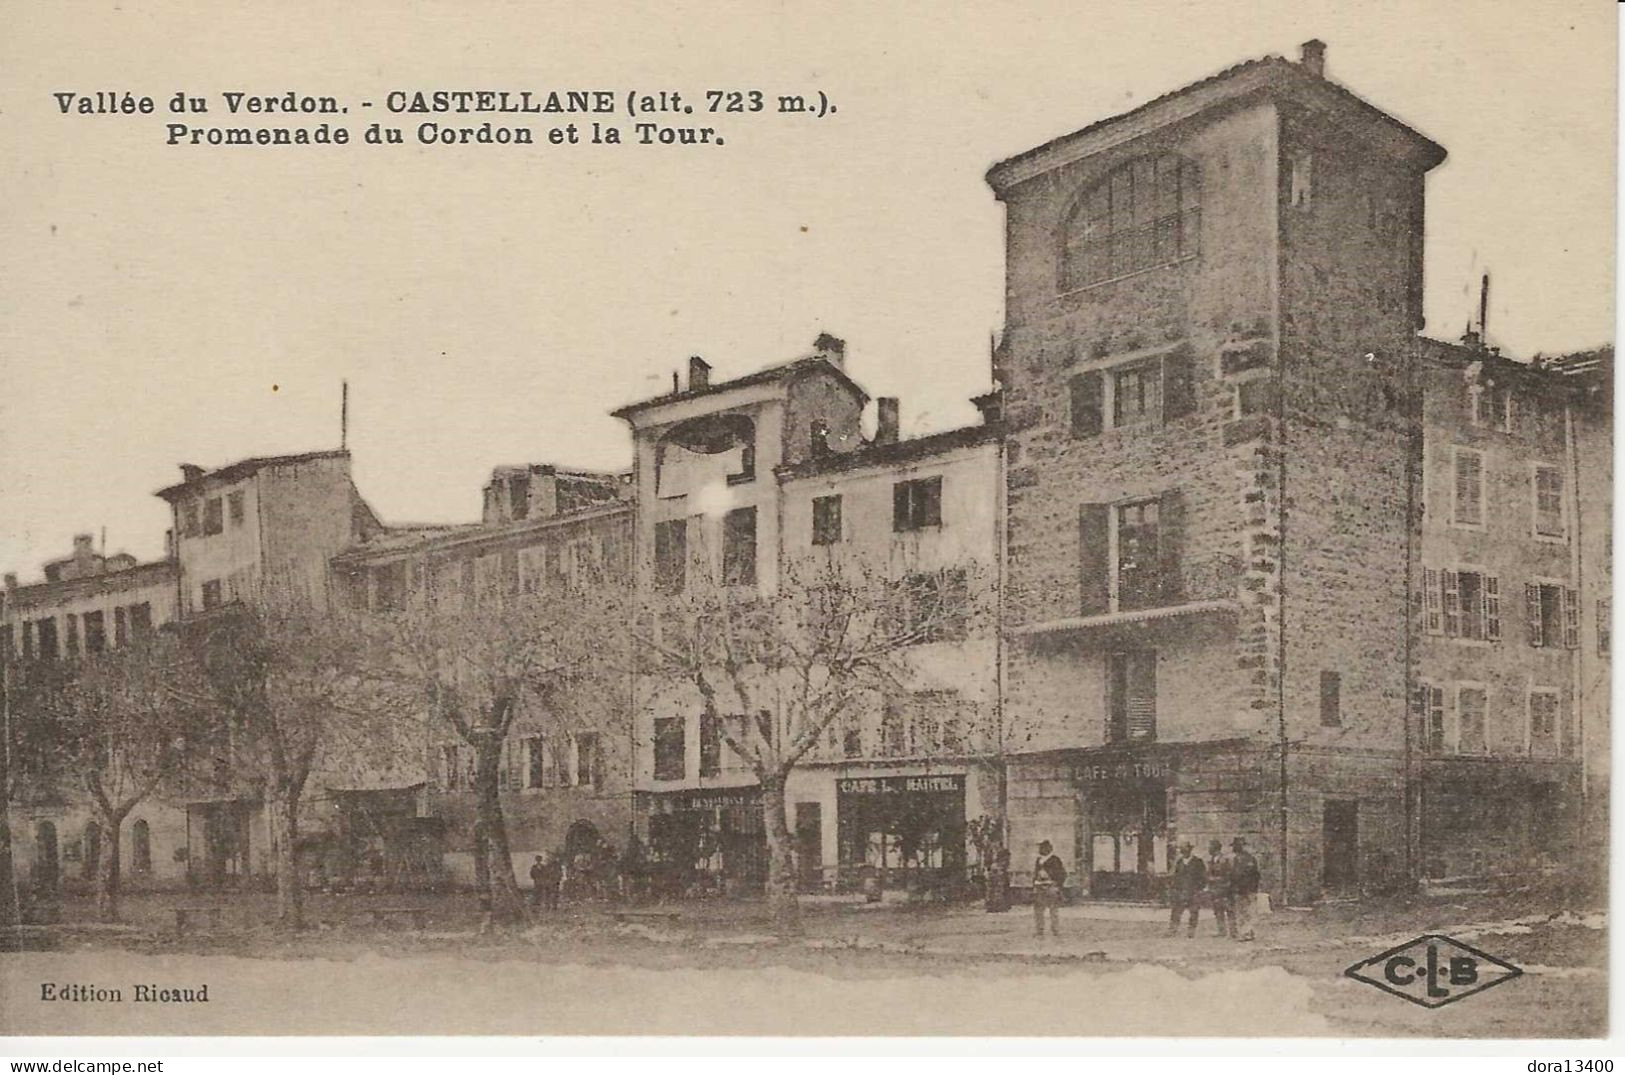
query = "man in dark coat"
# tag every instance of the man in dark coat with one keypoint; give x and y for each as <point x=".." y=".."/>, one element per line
<point x="1190" y="878"/>
<point x="545" y="876"/>
<point x="1049" y="875"/>
<point x="1220" y="893"/>
<point x="1244" y="880"/>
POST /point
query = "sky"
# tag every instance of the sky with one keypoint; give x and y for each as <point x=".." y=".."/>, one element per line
<point x="490" y="305"/>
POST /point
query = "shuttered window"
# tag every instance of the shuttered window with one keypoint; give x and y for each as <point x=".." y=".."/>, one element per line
<point x="1548" y="493"/>
<point x="1149" y="392"/>
<point x="1131" y="696"/>
<point x="1467" y="506"/>
<point x="1432" y="610"/>
<point x="1462" y="604"/>
<point x="1432" y="703"/>
<point x="1553" y="614"/>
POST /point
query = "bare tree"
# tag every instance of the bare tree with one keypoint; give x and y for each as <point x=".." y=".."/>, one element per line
<point x="478" y="663"/>
<point x="777" y="672"/>
<point x="293" y="694"/>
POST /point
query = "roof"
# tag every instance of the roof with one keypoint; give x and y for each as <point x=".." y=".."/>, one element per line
<point x="783" y="372"/>
<point x="1260" y="74"/>
<point x="146" y="574"/>
<point x="892" y="453"/>
<point x="243" y="468"/>
<point x="398" y="539"/>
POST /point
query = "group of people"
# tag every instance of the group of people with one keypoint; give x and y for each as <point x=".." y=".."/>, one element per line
<point x="1227" y="884"/>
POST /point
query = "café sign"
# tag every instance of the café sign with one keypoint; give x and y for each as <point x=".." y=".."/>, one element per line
<point x="1137" y="769"/>
<point x="895" y="785"/>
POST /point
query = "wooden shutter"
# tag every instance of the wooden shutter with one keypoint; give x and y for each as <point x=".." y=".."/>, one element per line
<point x="1450" y="584"/>
<point x="1492" y="607"/>
<point x="1170" y="544"/>
<point x="1571" y="619"/>
<point x="1088" y="404"/>
<point x="1178" y="386"/>
<point x="1531" y="600"/>
<point x="1432" y="617"/>
<point x="1142" y="695"/>
<point x="1094" y="571"/>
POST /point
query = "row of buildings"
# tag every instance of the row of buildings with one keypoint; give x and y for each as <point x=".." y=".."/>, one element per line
<point x="1261" y="559"/>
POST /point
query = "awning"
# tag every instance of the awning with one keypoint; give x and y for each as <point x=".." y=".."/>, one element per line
<point x="1218" y="606"/>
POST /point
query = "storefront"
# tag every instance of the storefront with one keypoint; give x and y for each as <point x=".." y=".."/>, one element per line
<point x="910" y="828"/>
<point x="706" y="840"/>
<point x="1125" y="806"/>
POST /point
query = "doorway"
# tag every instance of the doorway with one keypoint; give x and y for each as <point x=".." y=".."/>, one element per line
<point x="1340" y="846"/>
<point x="810" y="846"/>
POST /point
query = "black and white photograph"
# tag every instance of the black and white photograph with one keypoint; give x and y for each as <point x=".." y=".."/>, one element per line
<point x="1076" y="521"/>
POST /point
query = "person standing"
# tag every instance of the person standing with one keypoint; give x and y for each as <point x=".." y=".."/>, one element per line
<point x="1220" y="895"/>
<point x="1244" y="880"/>
<point x="1190" y="875"/>
<point x="1049" y="874"/>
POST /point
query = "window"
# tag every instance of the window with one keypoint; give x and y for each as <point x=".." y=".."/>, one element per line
<point x="1492" y="407"/>
<point x="1131" y="696"/>
<point x="852" y="742"/>
<point x="46" y="630"/>
<point x="1605" y="627"/>
<point x="1470" y="719"/>
<point x="739" y="547"/>
<point x="211" y="594"/>
<point x="1331" y="699"/>
<point x="1553" y="614"/>
<point x="189" y="519"/>
<point x="1543" y="706"/>
<point x="535" y="761"/>
<point x="1139" y="567"/>
<point x="564" y="768"/>
<point x="587" y="762"/>
<point x="1144" y="214"/>
<point x="710" y="745"/>
<point x="670" y="751"/>
<point x="95" y="632"/>
<point x="934" y="606"/>
<point x="1467" y="505"/>
<point x="121" y="630"/>
<point x="6" y="642"/>
<point x="213" y="518"/>
<point x="1301" y="179"/>
<point x="141" y="620"/>
<point x="893" y="729"/>
<point x="1150" y="392"/>
<point x="234" y="507"/>
<point x="1136" y="395"/>
<point x="1431" y="700"/>
<point x="1129" y="554"/>
<point x="917" y="504"/>
<point x="1548" y="489"/>
<point x="826" y="520"/>
<point x="389" y="587"/>
<point x="1462" y="604"/>
<point x="671" y="555"/>
<point x="28" y="639"/>
<point x="141" y="847"/>
<point x="72" y="634"/>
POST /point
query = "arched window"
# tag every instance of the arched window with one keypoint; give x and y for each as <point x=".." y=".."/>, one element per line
<point x="141" y="847"/>
<point x="1144" y="214"/>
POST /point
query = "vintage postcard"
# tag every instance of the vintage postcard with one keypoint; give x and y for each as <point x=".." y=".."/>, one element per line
<point x="1050" y="519"/>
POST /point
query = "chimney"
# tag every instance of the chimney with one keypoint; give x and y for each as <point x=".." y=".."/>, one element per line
<point x="1312" y="57"/>
<point x="699" y="373"/>
<point x="191" y="472"/>
<point x="886" y="420"/>
<point x="830" y="348"/>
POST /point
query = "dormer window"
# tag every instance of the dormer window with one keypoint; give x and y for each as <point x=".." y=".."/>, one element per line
<point x="1144" y="214"/>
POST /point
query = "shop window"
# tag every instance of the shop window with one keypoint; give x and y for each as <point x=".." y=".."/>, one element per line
<point x="1131" y="696"/>
<point x="1548" y="506"/>
<point x="710" y="745"/>
<point x="213" y="516"/>
<point x="739" y="547"/>
<point x="95" y="632"/>
<point x="671" y="555"/>
<point x="1467" y="504"/>
<point x="1144" y="214"/>
<point x="670" y="749"/>
<point x="1553" y="613"/>
<point x="1331" y="699"/>
<point x="1471" y="707"/>
<point x="1543" y="707"/>
<point x="826" y="520"/>
<point x="917" y="504"/>
<point x="1462" y="604"/>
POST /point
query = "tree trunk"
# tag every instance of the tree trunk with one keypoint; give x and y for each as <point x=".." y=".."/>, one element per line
<point x="108" y="891"/>
<point x="507" y="905"/>
<point x="290" y="890"/>
<point x="781" y="860"/>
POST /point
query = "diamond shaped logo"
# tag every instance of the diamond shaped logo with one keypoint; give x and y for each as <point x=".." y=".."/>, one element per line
<point x="1433" y="970"/>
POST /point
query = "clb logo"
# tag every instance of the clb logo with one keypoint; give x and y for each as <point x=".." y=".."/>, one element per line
<point x="1433" y="971"/>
